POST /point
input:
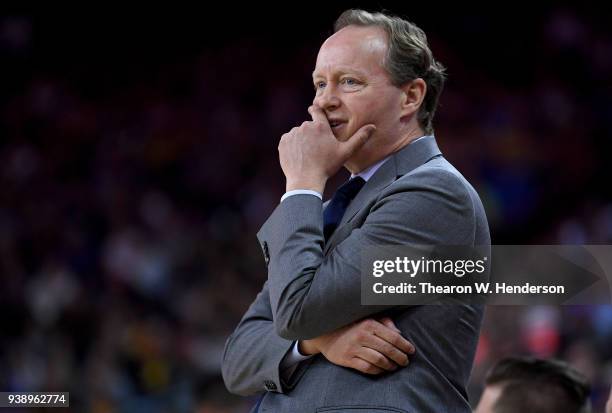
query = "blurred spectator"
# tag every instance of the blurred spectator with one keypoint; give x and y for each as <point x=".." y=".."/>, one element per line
<point x="136" y="168"/>
<point x="533" y="385"/>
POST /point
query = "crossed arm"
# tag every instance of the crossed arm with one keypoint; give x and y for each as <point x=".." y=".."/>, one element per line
<point x="315" y="299"/>
<point x="253" y="353"/>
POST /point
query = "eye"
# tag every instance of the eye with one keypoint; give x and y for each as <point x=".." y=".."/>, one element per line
<point x="349" y="81"/>
<point x="319" y="85"/>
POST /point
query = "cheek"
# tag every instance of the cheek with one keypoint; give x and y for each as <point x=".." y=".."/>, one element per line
<point x="375" y="108"/>
<point x="371" y="115"/>
<point x="361" y="114"/>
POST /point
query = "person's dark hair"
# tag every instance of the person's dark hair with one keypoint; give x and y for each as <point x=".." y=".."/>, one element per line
<point x="539" y="386"/>
<point x="408" y="57"/>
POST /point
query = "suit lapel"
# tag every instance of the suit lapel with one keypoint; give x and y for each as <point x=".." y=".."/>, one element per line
<point x="405" y="160"/>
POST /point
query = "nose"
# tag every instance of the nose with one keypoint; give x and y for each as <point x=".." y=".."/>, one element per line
<point x="327" y="99"/>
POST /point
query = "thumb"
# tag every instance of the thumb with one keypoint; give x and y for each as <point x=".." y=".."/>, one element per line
<point x="358" y="139"/>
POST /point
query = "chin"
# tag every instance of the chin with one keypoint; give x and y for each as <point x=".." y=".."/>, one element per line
<point x="342" y="136"/>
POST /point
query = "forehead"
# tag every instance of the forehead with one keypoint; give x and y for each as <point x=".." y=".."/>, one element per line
<point x="353" y="48"/>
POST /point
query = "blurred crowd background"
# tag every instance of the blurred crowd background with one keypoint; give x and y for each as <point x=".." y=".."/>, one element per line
<point x="138" y="158"/>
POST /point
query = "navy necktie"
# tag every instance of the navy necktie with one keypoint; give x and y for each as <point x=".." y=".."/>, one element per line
<point x="338" y="204"/>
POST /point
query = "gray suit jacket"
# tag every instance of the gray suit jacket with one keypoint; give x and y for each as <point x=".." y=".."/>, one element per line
<point x="313" y="287"/>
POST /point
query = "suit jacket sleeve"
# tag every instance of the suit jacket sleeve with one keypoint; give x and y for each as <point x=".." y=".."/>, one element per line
<point x="253" y="353"/>
<point x="312" y="294"/>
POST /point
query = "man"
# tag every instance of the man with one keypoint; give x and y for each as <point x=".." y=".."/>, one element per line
<point x="534" y="385"/>
<point x="376" y="90"/>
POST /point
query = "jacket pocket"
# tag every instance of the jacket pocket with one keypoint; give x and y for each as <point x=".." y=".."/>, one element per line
<point x="359" y="409"/>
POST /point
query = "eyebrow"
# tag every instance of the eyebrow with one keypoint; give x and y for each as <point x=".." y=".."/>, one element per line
<point x="341" y="71"/>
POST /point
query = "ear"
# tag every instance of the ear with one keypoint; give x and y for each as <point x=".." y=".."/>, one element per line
<point x="412" y="96"/>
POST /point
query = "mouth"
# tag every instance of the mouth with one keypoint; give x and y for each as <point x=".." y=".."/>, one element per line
<point x="336" y="124"/>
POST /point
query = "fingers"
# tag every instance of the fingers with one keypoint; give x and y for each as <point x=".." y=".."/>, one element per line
<point x="365" y="366"/>
<point x="386" y="350"/>
<point x="358" y="139"/>
<point x="370" y="346"/>
<point x="389" y="323"/>
<point x="376" y="358"/>
<point x="393" y="337"/>
<point x="385" y="340"/>
<point x="318" y="115"/>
